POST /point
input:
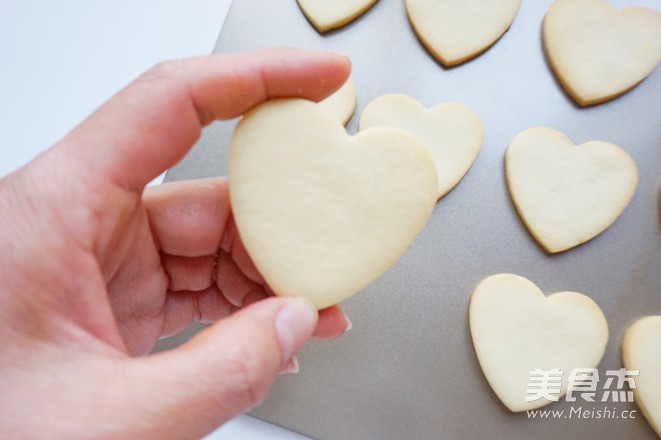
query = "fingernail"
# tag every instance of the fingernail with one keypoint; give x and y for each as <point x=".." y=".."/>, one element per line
<point x="339" y="54"/>
<point x="292" y="366"/>
<point x="294" y="325"/>
<point x="349" y="323"/>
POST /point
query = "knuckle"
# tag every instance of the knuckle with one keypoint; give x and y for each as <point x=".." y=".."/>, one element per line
<point x="165" y="70"/>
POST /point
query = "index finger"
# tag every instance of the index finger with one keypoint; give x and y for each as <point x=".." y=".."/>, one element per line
<point x="152" y="123"/>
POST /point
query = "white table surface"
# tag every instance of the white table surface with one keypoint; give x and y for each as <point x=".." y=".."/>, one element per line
<point x="61" y="60"/>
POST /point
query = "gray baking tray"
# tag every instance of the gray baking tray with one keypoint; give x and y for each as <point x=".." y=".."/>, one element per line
<point x="407" y="370"/>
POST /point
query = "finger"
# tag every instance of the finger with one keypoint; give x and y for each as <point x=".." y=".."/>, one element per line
<point x="233" y="245"/>
<point x="232" y="282"/>
<point x="192" y="274"/>
<point x="149" y="126"/>
<point x="183" y="308"/>
<point x="223" y="371"/>
<point x="189" y="218"/>
<point x="210" y="305"/>
<point x="332" y="323"/>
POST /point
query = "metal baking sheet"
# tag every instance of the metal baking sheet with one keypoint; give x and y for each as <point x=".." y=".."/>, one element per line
<point x="407" y="370"/>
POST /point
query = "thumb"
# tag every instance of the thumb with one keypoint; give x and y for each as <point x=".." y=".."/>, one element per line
<point x="223" y="371"/>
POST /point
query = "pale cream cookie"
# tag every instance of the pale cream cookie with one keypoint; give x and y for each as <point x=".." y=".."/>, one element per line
<point x="598" y="53"/>
<point x="452" y="132"/>
<point x="342" y="103"/>
<point x="455" y="31"/>
<point x="322" y="213"/>
<point x="566" y="194"/>
<point x="517" y="330"/>
<point x="641" y="351"/>
<point x="326" y="15"/>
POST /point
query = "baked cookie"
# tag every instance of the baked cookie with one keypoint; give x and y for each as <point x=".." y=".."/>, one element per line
<point x="518" y="331"/>
<point x="454" y="31"/>
<point x="326" y="15"/>
<point x="641" y="351"/>
<point x="566" y="194"/>
<point x="452" y="132"/>
<point x="598" y="53"/>
<point x="342" y="103"/>
<point x="322" y="213"/>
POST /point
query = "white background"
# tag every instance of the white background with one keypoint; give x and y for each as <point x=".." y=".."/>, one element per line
<point x="60" y="60"/>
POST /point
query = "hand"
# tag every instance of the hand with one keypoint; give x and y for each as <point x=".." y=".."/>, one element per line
<point x="94" y="269"/>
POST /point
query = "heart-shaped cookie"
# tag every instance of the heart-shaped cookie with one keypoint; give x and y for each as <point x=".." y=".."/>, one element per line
<point x="599" y="53"/>
<point x="517" y="330"/>
<point x="452" y="132"/>
<point x="455" y="31"/>
<point x="326" y="15"/>
<point x="641" y="350"/>
<point x="322" y="213"/>
<point x="342" y="103"/>
<point x="567" y="195"/>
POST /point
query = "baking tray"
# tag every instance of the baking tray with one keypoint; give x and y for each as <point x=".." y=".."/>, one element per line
<point x="407" y="369"/>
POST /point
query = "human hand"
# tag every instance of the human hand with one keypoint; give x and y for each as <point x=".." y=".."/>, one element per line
<point x="94" y="269"/>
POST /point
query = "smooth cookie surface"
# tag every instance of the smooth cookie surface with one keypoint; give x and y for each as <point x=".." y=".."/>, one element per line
<point x="455" y="31"/>
<point x="641" y="350"/>
<point x="342" y="103"/>
<point x="322" y="213"/>
<point x="516" y="330"/>
<point x="565" y="194"/>
<point x="452" y="132"/>
<point x="599" y="53"/>
<point x="326" y="15"/>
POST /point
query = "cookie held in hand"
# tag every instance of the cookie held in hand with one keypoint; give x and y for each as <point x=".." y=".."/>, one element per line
<point x="452" y="132"/>
<point x="322" y="213"/>
<point x="342" y="103"/>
